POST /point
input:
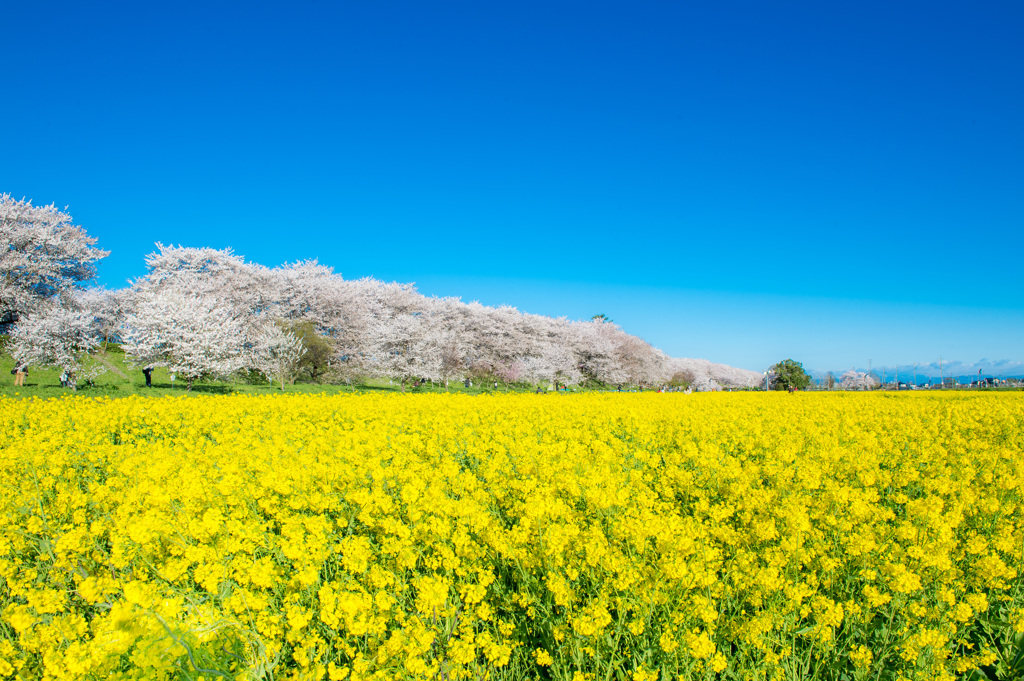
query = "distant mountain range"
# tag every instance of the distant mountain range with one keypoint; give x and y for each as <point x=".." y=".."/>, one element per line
<point x="931" y="372"/>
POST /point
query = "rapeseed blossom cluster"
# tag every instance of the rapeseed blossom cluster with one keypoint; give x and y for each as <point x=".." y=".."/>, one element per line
<point x="579" y="537"/>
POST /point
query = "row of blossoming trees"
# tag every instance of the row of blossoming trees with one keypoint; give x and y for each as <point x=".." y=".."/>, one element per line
<point x="204" y="313"/>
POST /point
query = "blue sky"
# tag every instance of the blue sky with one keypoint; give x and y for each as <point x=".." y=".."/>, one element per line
<point x="737" y="181"/>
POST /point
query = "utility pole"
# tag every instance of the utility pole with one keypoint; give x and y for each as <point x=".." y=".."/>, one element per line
<point x="942" y="381"/>
<point x="896" y="378"/>
<point x="915" y="374"/>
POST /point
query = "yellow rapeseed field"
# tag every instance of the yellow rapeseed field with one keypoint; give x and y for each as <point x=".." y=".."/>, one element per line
<point x="589" y="537"/>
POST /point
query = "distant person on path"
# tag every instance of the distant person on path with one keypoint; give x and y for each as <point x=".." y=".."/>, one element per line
<point x="20" y="372"/>
<point x="64" y="378"/>
<point x="148" y="373"/>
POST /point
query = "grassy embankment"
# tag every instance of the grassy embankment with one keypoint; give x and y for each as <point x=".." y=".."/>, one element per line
<point x="121" y="378"/>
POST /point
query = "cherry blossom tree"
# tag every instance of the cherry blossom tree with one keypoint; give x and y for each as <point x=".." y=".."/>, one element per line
<point x="106" y="307"/>
<point x="705" y="372"/>
<point x="556" y="363"/>
<point x="59" y="337"/>
<point x="594" y="348"/>
<point x="399" y="351"/>
<point x="706" y="384"/>
<point x="276" y="353"/>
<point x="639" y="360"/>
<point x="509" y="371"/>
<point x="492" y="336"/>
<point x="195" y="336"/>
<point x="451" y="358"/>
<point x="381" y="332"/>
<point x="444" y="342"/>
<point x="42" y="254"/>
<point x="684" y="378"/>
<point x="243" y="287"/>
<point x="858" y="380"/>
<point x="311" y="292"/>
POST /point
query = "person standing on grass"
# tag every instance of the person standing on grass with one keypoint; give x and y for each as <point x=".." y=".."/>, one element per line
<point x="148" y="373"/>
<point x="19" y="374"/>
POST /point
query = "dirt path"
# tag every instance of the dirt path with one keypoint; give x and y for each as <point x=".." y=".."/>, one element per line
<point x="101" y="357"/>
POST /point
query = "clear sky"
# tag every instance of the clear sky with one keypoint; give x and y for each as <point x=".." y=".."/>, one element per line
<point x="741" y="181"/>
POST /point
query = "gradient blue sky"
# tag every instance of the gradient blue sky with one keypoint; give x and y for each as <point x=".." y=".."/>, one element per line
<point x="737" y="181"/>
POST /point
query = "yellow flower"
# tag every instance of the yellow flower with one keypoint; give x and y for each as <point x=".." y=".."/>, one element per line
<point x="700" y="645"/>
<point x="371" y="537"/>
<point x="667" y="641"/>
<point x="861" y="656"/>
